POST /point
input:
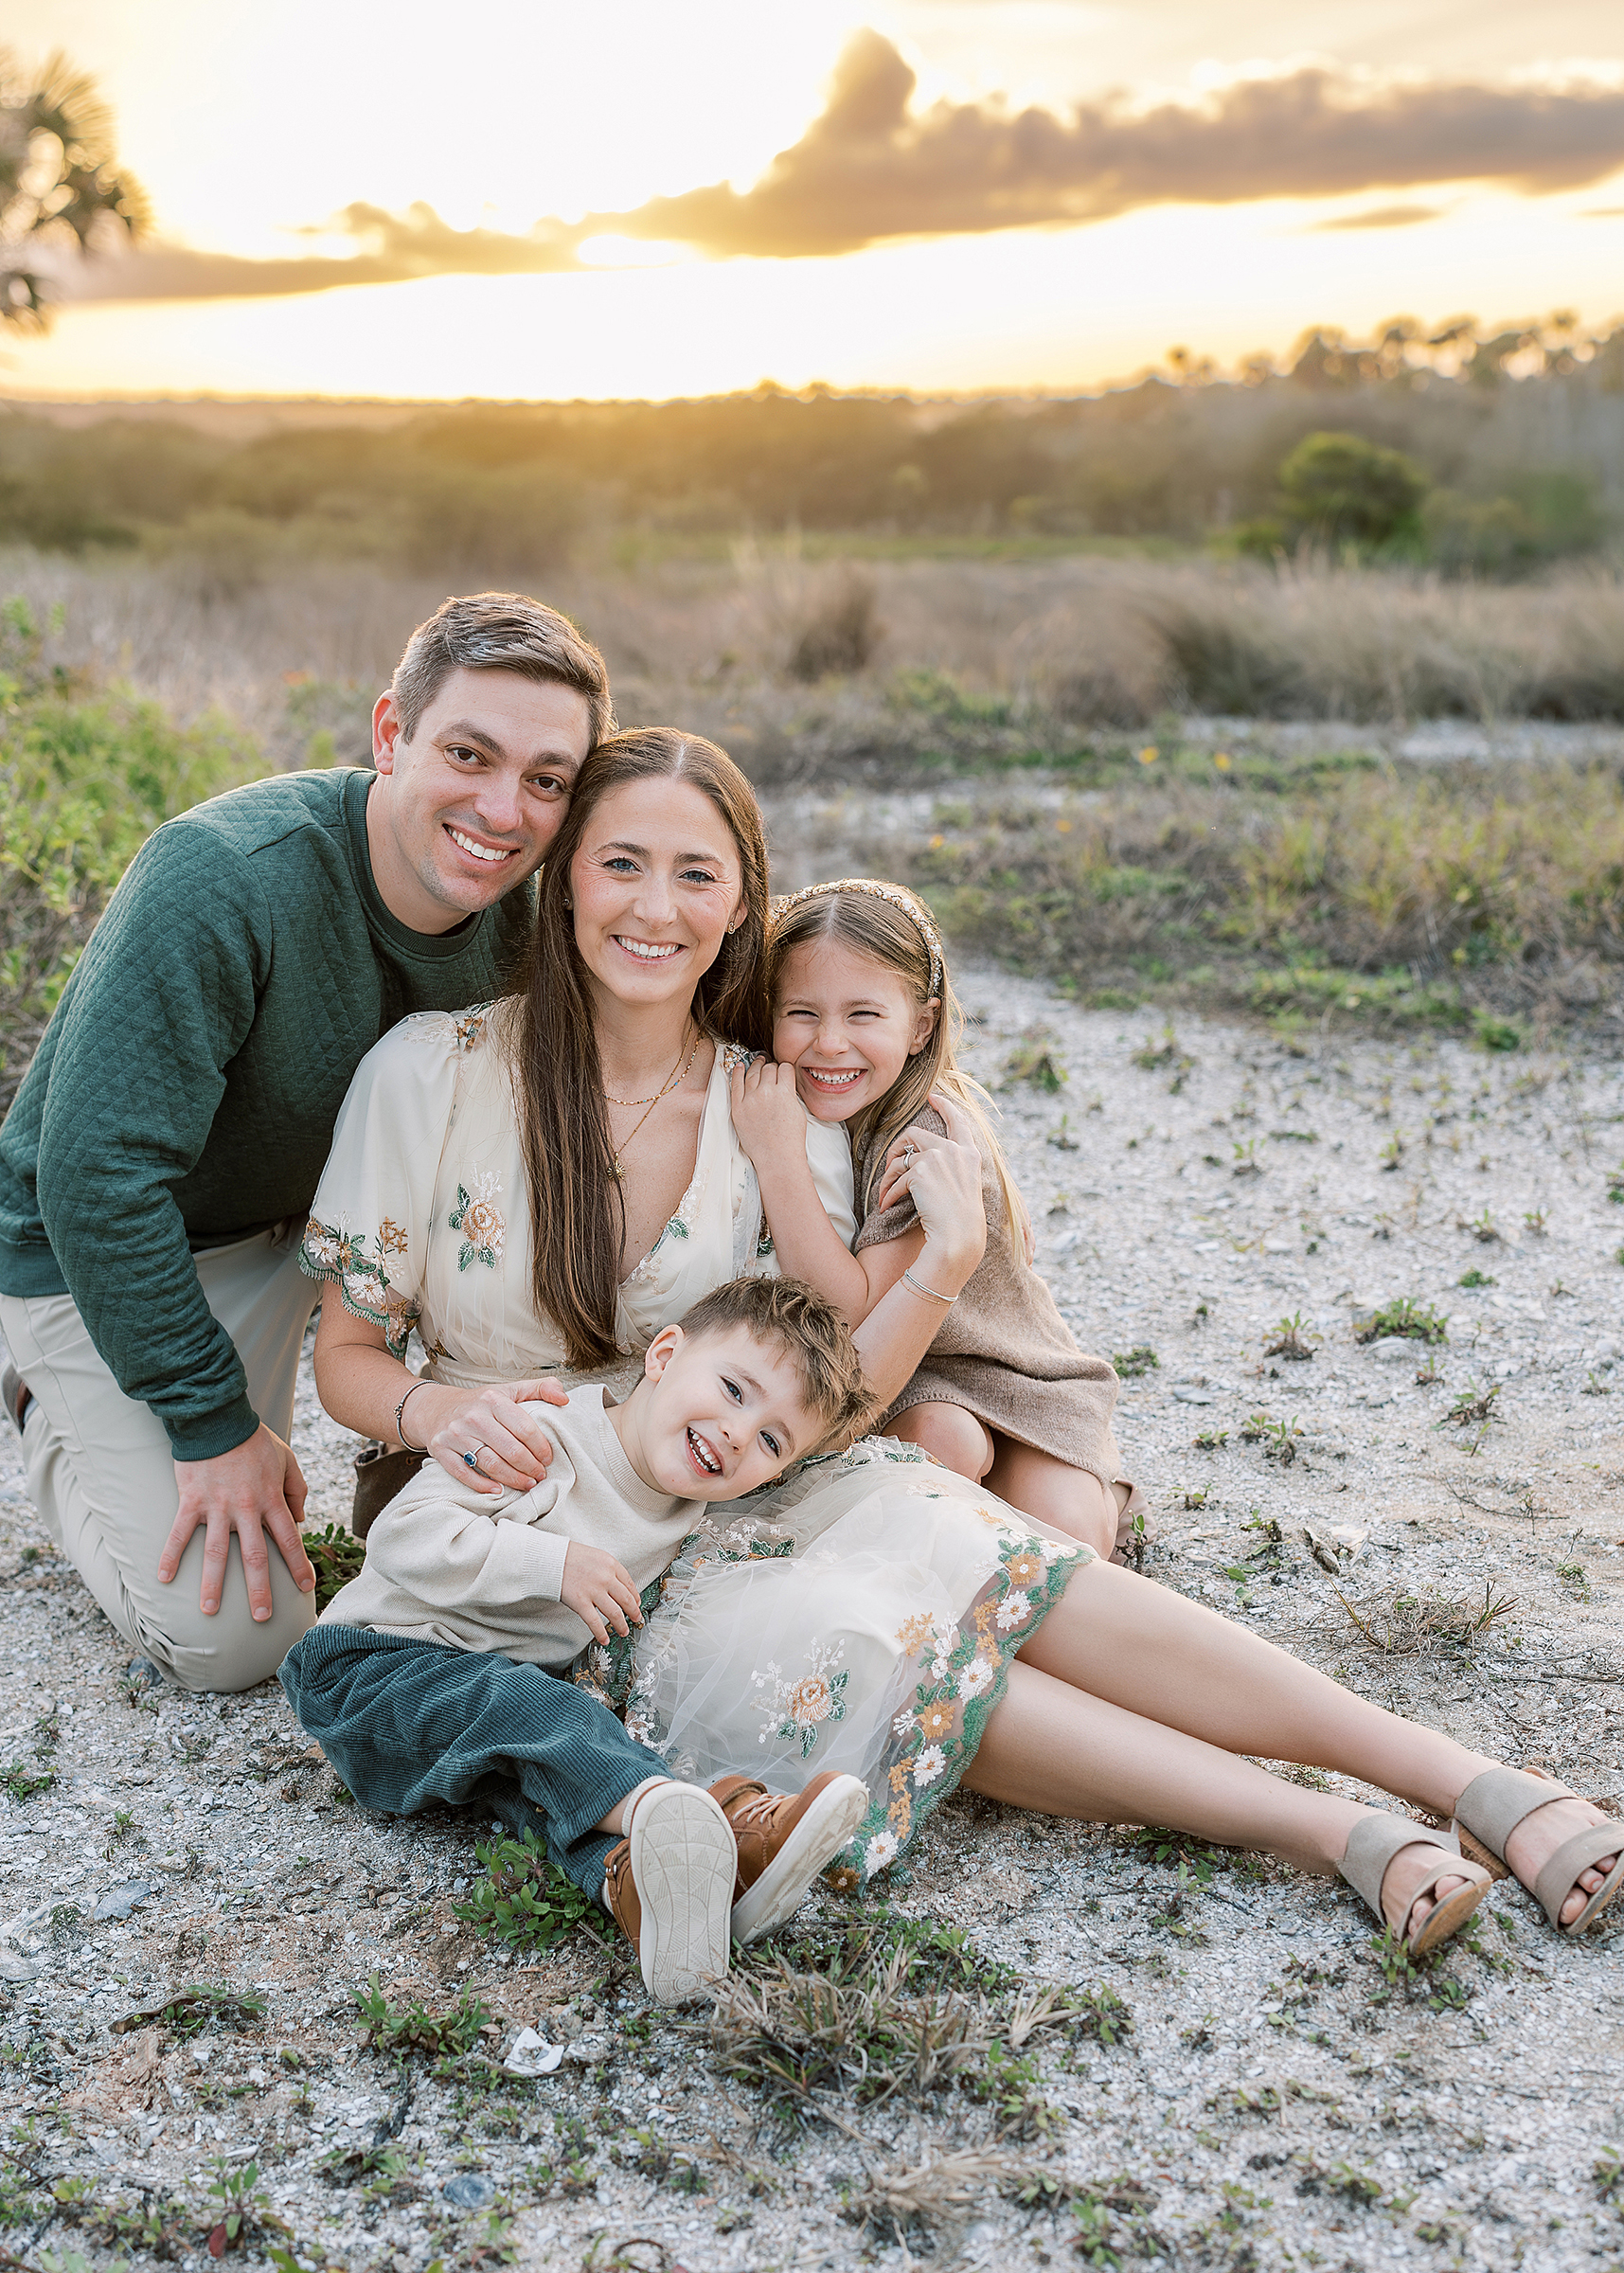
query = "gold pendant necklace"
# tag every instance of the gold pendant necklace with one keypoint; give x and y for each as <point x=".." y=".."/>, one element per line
<point x="679" y="1075"/>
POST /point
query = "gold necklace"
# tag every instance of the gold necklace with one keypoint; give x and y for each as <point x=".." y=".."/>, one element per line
<point x="679" y="1075"/>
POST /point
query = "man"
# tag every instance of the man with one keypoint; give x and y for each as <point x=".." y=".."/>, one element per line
<point x="158" y="1160"/>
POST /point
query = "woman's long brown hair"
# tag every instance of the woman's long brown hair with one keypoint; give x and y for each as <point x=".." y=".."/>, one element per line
<point x="578" y="1214"/>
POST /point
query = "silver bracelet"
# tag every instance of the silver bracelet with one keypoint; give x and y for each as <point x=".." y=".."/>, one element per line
<point x="421" y="1382"/>
<point x="930" y="1292"/>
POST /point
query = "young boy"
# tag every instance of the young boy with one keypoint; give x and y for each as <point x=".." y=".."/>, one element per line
<point x="435" y="1674"/>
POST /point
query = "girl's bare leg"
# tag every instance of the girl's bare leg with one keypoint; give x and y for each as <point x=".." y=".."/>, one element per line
<point x="1142" y="1647"/>
<point x="1068" y="1499"/>
<point x="1053" y="1748"/>
<point x="949" y="1435"/>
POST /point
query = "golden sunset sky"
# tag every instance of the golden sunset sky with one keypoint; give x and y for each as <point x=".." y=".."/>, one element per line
<point x="637" y="198"/>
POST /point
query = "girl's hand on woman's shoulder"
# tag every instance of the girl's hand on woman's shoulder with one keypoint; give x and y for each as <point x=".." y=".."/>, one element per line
<point x="767" y="1115"/>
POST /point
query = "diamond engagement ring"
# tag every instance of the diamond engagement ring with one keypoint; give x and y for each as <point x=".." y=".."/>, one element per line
<point x="908" y="1152"/>
<point x="470" y="1459"/>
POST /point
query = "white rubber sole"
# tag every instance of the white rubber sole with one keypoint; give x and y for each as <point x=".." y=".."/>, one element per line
<point x="815" y="1842"/>
<point x="684" y="1863"/>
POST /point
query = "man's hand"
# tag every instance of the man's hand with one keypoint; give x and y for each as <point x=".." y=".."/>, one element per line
<point x="254" y="1487"/>
<point x="599" y="1589"/>
<point x="768" y="1115"/>
<point x="510" y="1448"/>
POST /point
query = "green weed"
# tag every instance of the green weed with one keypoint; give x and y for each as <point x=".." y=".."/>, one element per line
<point x="336" y="1557"/>
<point x="191" y="2010"/>
<point x="524" y="1902"/>
<point x="414" y="2029"/>
<point x="1417" y="1320"/>
<point x="1293" y="1340"/>
<point x="24" y="1782"/>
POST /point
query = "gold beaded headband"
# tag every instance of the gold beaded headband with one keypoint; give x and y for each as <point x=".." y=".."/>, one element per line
<point x="894" y="896"/>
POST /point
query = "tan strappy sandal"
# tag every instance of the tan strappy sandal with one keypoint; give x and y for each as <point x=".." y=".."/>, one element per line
<point x="1495" y="1802"/>
<point x="1373" y="1842"/>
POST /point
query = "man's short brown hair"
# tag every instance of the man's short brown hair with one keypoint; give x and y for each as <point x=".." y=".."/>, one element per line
<point x="795" y="1314"/>
<point x="500" y="630"/>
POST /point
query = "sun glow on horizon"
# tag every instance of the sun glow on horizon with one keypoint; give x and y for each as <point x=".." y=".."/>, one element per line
<point x="520" y="126"/>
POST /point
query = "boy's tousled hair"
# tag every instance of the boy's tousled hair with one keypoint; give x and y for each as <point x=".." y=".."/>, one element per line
<point x="500" y="630"/>
<point x="877" y="922"/>
<point x="795" y="1314"/>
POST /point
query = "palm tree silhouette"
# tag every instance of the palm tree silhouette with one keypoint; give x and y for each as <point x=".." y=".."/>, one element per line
<point x="59" y="185"/>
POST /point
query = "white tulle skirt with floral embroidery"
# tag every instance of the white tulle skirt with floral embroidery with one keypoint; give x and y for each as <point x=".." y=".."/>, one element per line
<point x="860" y="1616"/>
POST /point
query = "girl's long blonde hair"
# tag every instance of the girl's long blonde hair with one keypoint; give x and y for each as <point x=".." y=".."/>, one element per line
<point x="886" y="924"/>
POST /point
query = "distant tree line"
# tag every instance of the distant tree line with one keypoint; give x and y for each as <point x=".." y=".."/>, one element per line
<point x="1481" y="454"/>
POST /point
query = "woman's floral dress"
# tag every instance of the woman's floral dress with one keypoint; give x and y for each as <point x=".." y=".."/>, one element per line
<point x="859" y="1614"/>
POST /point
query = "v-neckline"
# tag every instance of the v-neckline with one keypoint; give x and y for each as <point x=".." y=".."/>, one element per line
<point x="675" y="1219"/>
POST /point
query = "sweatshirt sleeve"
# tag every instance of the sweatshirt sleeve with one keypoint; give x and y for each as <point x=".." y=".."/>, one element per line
<point x="162" y="1000"/>
<point x="442" y="1547"/>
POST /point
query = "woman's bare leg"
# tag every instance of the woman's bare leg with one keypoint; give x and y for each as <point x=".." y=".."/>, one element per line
<point x="1055" y="1749"/>
<point x="949" y="1435"/>
<point x="1068" y="1499"/>
<point x="1143" y="1647"/>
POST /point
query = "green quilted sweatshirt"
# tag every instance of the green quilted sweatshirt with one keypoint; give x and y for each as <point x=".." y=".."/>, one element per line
<point x="185" y="1092"/>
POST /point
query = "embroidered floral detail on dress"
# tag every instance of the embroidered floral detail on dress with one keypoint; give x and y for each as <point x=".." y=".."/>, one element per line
<point x="799" y="1708"/>
<point x="391" y="1238"/>
<point x="480" y="1223"/>
<point x="470" y="1025"/>
<point x="328" y="1252"/>
<point x="961" y="1674"/>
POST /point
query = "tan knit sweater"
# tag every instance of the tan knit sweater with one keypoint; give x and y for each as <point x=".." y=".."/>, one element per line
<point x="1003" y="1352"/>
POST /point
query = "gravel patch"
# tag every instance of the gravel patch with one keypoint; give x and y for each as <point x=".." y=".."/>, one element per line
<point x="1276" y="2101"/>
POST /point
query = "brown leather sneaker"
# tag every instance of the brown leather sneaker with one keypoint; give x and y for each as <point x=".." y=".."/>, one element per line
<point x="670" y="1884"/>
<point x="785" y="1838"/>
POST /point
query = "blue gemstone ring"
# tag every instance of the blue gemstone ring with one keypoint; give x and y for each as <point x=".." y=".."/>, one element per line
<point x="470" y="1459"/>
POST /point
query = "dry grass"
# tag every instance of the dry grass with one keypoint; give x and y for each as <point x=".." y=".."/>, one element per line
<point x="1116" y="857"/>
<point x="1399" y="1624"/>
<point x="1035" y="650"/>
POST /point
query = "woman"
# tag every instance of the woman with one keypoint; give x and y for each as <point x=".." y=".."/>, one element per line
<point x="540" y="1187"/>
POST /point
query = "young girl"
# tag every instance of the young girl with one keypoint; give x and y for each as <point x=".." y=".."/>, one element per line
<point x="863" y="1026"/>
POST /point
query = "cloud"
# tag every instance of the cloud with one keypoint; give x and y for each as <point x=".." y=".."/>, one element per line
<point x="1383" y="216"/>
<point x="873" y="167"/>
<point x="395" y="249"/>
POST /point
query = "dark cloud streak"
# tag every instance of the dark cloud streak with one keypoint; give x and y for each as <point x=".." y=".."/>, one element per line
<point x="1383" y="216"/>
<point x="396" y="248"/>
<point x="871" y="168"/>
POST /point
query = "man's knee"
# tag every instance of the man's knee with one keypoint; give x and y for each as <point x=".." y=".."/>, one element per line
<point x="230" y="1651"/>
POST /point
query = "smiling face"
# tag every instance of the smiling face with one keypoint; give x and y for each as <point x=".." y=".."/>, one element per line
<point x="467" y="807"/>
<point x="847" y="1025"/>
<point x="715" y="1415"/>
<point x="656" y="886"/>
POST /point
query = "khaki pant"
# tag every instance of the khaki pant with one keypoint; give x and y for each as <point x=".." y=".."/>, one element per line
<point x="101" y="1473"/>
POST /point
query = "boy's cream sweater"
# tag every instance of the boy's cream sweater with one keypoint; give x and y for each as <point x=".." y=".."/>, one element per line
<point x="446" y="1563"/>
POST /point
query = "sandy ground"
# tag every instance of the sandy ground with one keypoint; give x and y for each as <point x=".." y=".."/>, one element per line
<point x="1276" y="2104"/>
